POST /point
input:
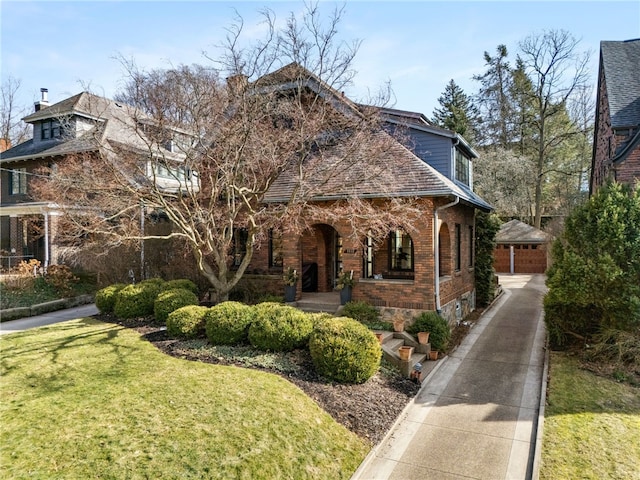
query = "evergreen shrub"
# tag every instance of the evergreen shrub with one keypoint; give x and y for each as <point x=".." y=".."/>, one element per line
<point x="168" y="301"/>
<point x="279" y="328"/>
<point x="344" y="350"/>
<point x="187" y="322"/>
<point x="361" y="311"/>
<point x="106" y="297"/>
<point x="438" y="328"/>
<point x="136" y="300"/>
<point x="228" y="323"/>
<point x="181" y="283"/>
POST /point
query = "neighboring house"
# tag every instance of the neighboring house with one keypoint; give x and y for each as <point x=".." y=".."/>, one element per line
<point x="81" y="124"/>
<point x="521" y="248"/>
<point x="616" y="146"/>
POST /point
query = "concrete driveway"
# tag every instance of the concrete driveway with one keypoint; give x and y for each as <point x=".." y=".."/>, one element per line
<point x="476" y="415"/>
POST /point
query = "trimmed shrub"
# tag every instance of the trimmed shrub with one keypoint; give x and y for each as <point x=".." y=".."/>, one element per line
<point x="228" y="323"/>
<point x="187" y="322"/>
<point x="136" y="300"/>
<point x="361" y="311"/>
<point x="106" y="297"/>
<point x="184" y="283"/>
<point x="318" y="317"/>
<point x="279" y="328"/>
<point x="169" y="300"/>
<point x="439" y="330"/>
<point x="344" y="350"/>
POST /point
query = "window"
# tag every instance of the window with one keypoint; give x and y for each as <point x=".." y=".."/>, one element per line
<point x="400" y="251"/>
<point x="50" y="129"/>
<point x="458" y="246"/>
<point x="275" y="249"/>
<point x="18" y="181"/>
<point x="240" y="237"/>
<point x="471" y="242"/>
<point x="337" y="244"/>
<point x="367" y="265"/>
<point x="462" y="168"/>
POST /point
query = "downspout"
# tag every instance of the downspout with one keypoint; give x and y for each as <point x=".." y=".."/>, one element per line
<point x="436" y="243"/>
<point x="46" y="240"/>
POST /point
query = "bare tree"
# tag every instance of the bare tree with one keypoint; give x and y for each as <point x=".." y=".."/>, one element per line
<point x="12" y="130"/>
<point x="276" y="145"/>
<point x="557" y="72"/>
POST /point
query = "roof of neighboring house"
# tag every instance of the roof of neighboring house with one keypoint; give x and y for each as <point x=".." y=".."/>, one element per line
<point x="515" y="231"/>
<point x="115" y="122"/>
<point x="621" y="64"/>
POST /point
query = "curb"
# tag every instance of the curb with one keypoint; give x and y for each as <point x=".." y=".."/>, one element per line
<point x="42" y="308"/>
<point x="537" y="455"/>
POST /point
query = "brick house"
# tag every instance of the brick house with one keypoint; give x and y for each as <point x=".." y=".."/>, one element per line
<point x="426" y="265"/>
<point x="616" y="146"/>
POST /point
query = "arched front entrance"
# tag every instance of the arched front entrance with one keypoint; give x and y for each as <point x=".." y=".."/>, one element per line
<point x="321" y="258"/>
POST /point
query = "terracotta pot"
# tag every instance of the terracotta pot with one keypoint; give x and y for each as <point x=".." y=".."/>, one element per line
<point x="423" y="338"/>
<point x="433" y="355"/>
<point x="398" y="325"/>
<point x="405" y="353"/>
<point x="379" y="337"/>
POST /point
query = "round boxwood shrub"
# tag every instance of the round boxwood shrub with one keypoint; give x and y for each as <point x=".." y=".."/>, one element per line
<point x="345" y="350"/>
<point x="181" y="283"/>
<point x="136" y="300"/>
<point x="279" y="328"/>
<point x="228" y="323"/>
<point x="437" y="327"/>
<point x="106" y="297"/>
<point x="318" y="317"/>
<point x="169" y="300"/>
<point x="187" y="322"/>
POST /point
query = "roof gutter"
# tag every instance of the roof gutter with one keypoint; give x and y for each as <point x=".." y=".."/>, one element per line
<point x="436" y="231"/>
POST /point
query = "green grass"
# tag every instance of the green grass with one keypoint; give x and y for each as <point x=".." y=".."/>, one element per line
<point x="85" y="399"/>
<point x="592" y="425"/>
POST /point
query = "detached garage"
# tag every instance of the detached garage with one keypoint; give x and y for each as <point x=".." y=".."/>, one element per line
<point x="521" y="248"/>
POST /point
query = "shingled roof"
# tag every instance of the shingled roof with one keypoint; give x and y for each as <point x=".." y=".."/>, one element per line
<point x="621" y="63"/>
<point x="517" y="232"/>
<point x="409" y="176"/>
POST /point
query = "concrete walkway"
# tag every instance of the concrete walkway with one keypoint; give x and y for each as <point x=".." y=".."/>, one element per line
<point x="476" y="415"/>
<point x="47" y="319"/>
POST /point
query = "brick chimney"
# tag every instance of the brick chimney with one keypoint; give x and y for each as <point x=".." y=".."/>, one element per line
<point x="5" y="144"/>
<point x="44" y="101"/>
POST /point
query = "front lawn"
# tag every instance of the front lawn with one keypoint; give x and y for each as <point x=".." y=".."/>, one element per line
<point x="86" y="399"/>
<point x="591" y="427"/>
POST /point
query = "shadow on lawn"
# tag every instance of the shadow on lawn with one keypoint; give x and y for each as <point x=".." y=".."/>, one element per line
<point x="48" y="346"/>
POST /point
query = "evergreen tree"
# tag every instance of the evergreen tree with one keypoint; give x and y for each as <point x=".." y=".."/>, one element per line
<point x="457" y="112"/>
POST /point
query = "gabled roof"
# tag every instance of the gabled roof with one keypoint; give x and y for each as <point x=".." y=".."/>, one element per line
<point x="621" y="64"/>
<point x="516" y="231"/>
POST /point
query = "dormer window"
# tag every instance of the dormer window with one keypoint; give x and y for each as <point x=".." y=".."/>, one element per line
<point x="462" y="167"/>
<point x="51" y="129"/>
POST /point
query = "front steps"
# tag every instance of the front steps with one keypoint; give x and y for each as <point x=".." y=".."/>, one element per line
<point x="391" y="343"/>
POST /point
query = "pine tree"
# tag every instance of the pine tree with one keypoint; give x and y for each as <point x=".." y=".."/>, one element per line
<point x="457" y="112"/>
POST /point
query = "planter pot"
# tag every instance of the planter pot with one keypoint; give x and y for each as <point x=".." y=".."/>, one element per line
<point x="433" y="355"/>
<point x="398" y="325"/>
<point x="345" y="295"/>
<point x="405" y="353"/>
<point x="289" y="293"/>
<point x="423" y="338"/>
<point x="379" y="337"/>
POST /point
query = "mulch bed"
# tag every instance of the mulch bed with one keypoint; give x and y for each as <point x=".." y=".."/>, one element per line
<point x="369" y="410"/>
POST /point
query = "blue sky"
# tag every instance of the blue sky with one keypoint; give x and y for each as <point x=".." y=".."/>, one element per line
<point x="418" y="46"/>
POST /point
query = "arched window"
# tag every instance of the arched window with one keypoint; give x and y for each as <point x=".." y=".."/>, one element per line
<point x="400" y="251"/>
<point x="444" y="251"/>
